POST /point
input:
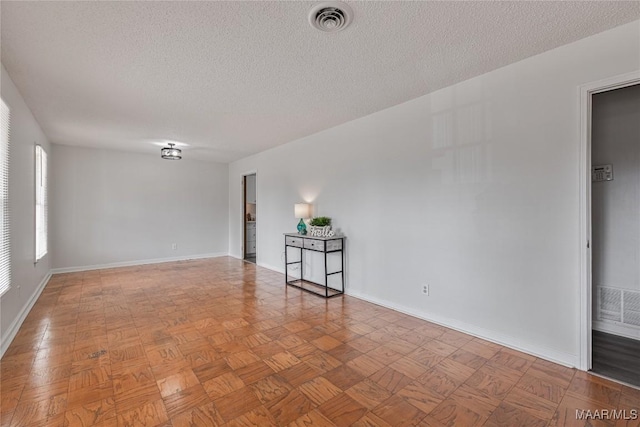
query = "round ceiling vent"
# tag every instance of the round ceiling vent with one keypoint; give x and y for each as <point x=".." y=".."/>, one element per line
<point x="330" y="16"/>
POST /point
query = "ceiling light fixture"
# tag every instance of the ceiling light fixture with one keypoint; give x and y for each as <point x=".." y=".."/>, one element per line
<point x="330" y="16"/>
<point x="171" y="153"/>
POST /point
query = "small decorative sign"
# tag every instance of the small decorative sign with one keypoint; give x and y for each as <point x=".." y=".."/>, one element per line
<point x="316" y="231"/>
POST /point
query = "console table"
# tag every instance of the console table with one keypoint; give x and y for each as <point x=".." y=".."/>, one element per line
<point x="325" y="245"/>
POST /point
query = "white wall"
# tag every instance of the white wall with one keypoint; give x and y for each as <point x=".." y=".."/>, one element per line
<point x="472" y="189"/>
<point x="27" y="277"/>
<point x="111" y="207"/>
<point x="616" y="204"/>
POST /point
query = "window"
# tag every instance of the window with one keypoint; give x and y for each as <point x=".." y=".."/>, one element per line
<point x="5" y="250"/>
<point x="41" y="203"/>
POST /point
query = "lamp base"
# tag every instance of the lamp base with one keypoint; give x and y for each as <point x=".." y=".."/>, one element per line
<point x="302" y="227"/>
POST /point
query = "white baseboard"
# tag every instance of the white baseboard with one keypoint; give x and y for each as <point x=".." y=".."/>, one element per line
<point x="134" y="263"/>
<point x="271" y="267"/>
<point x="552" y="355"/>
<point x="261" y="264"/>
<point x="617" y="328"/>
<point x="13" y="329"/>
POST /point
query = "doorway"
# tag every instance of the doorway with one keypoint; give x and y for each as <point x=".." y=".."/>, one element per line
<point x="587" y="302"/>
<point x="249" y="217"/>
<point x="615" y="231"/>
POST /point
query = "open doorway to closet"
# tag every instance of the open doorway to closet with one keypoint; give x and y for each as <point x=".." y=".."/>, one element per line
<point x="615" y="230"/>
<point x="249" y="217"/>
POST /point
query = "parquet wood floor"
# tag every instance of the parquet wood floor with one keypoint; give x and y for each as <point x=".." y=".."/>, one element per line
<point x="222" y="342"/>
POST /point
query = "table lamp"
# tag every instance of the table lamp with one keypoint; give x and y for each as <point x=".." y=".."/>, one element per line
<point x="302" y="211"/>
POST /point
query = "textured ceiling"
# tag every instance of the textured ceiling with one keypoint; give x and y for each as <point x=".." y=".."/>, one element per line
<point x="235" y="78"/>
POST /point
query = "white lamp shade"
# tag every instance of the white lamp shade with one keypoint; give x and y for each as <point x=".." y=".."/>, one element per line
<point x="302" y="210"/>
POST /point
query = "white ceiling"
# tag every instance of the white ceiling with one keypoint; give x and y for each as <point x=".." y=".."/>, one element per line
<point x="235" y="78"/>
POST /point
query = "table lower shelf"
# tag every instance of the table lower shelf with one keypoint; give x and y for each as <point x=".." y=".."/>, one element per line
<point x="314" y="288"/>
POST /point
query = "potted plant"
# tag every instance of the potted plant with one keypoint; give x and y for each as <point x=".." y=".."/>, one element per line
<point x="320" y="226"/>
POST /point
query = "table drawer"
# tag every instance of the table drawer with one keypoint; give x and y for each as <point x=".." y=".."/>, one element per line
<point x="316" y="245"/>
<point x="293" y="241"/>
<point x="334" y="245"/>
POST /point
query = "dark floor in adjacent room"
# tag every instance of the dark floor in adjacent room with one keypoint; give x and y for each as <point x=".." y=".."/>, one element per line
<point x="616" y="357"/>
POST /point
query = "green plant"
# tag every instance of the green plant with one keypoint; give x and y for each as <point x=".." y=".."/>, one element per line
<point x="320" y="221"/>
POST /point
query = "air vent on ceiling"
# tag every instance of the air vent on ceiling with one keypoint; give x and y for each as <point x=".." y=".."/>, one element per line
<point x="330" y="16"/>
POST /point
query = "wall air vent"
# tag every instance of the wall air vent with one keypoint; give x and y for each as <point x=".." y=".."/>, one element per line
<point x="618" y="305"/>
<point x="330" y="17"/>
<point x="631" y="312"/>
<point x="610" y="304"/>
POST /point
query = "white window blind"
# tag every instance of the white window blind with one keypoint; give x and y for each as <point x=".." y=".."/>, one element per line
<point x="5" y="250"/>
<point x="41" y="203"/>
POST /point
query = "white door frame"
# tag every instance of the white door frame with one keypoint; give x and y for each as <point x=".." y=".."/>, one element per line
<point x="586" y="92"/>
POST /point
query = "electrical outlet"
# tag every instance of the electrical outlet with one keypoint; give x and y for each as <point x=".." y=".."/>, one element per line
<point x="174" y="246"/>
<point x="425" y="290"/>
